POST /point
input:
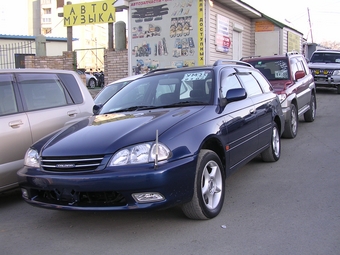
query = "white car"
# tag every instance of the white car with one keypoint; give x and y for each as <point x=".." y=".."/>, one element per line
<point x="109" y="90"/>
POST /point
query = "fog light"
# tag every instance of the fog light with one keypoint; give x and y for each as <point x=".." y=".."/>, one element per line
<point x="24" y="193"/>
<point x="147" y="197"/>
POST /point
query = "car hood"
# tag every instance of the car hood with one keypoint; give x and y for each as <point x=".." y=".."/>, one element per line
<point x="279" y="85"/>
<point x="323" y="65"/>
<point x="103" y="134"/>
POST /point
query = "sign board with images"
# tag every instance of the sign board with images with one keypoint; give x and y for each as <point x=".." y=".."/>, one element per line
<point x="293" y="42"/>
<point x="89" y="13"/>
<point x="166" y="33"/>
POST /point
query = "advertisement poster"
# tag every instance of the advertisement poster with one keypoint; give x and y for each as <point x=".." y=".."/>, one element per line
<point x="166" y="33"/>
<point x="222" y="34"/>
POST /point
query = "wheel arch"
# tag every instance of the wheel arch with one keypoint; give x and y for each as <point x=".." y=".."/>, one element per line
<point x="215" y="145"/>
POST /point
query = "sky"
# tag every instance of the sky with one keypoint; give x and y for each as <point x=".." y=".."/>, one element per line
<point x="324" y="16"/>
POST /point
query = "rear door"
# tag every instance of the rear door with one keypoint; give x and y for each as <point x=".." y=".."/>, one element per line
<point x="239" y="123"/>
<point x="301" y="86"/>
<point x="48" y="105"/>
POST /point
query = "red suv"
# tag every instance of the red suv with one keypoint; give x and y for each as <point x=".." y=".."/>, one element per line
<point x="293" y="82"/>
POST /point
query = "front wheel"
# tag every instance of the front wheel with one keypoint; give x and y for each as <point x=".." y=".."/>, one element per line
<point x="209" y="188"/>
<point x="273" y="152"/>
<point x="309" y="116"/>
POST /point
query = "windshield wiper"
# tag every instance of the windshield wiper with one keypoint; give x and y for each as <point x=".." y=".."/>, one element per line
<point x="186" y="103"/>
<point x="134" y="108"/>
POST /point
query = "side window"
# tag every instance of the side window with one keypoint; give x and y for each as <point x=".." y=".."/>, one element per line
<point x="41" y="91"/>
<point x="304" y="65"/>
<point x="250" y="84"/>
<point x="8" y="104"/>
<point x="265" y="85"/>
<point x="228" y="81"/>
<point x="294" y="66"/>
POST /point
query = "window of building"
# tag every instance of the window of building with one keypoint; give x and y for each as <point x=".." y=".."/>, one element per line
<point x="46" y="30"/>
<point x="46" y="20"/>
<point x="47" y="10"/>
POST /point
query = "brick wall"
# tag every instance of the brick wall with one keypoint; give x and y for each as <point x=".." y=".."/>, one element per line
<point x="64" y="62"/>
<point x="115" y="63"/>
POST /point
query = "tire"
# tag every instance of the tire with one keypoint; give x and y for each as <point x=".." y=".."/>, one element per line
<point x="92" y="83"/>
<point x="291" y="126"/>
<point x="273" y="152"/>
<point x="209" y="188"/>
<point x="338" y="89"/>
<point x="309" y="116"/>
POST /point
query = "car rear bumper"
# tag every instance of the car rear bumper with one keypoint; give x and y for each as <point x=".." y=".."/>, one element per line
<point x="109" y="189"/>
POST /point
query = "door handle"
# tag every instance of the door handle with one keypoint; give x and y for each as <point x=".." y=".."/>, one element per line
<point x="15" y="123"/>
<point x="72" y="113"/>
<point x="252" y="111"/>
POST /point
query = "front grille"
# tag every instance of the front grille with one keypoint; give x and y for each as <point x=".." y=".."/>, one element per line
<point x="71" y="164"/>
<point x="322" y="72"/>
<point x="79" y="199"/>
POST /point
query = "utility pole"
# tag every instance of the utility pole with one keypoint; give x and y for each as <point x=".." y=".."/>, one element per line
<point x="310" y="26"/>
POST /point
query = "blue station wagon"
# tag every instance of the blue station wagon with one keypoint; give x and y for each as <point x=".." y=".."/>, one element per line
<point x="169" y="138"/>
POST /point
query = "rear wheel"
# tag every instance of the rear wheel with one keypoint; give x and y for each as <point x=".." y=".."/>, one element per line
<point x="273" y="152"/>
<point x="309" y="116"/>
<point x="291" y="126"/>
<point x="338" y="89"/>
<point x="209" y="188"/>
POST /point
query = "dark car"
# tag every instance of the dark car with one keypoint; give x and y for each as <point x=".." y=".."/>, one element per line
<point x="168" y="138"/>
<point x="325" y="66"/>
<point x="293" y="82"/>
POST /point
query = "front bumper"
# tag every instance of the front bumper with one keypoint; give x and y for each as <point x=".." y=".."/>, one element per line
<point x="327" y="81"/>
<point x="110" y="189"/>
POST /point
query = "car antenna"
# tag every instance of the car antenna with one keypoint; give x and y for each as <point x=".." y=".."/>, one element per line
<point x="156" y="157"/>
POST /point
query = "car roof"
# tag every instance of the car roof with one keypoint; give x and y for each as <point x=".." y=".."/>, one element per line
<point x="326" y="51"/>
<point x="269" y="57"/>
<point x="34" y="70"/>
<point x="129" y="78"/>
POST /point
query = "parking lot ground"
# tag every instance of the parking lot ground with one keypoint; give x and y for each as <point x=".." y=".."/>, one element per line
<point x="288" y="207"/>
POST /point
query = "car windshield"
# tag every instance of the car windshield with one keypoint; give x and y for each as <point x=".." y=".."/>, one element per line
<point x="326" y="57"/>
<point x="163" y="90"/>
<point x="273" y="69"/>
<point x="107" y="92"/>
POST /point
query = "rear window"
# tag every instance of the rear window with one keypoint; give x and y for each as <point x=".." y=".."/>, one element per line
<point x="72" y="87"/>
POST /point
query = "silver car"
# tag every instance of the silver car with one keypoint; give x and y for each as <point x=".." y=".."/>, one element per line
<point x="34" y="103"/>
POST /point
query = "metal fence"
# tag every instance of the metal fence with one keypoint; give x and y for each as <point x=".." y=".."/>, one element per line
<point x="13" y="55"/>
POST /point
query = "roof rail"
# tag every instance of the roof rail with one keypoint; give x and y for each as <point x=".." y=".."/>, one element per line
<point x="160" y="69"/>
<point x="226" y="61"/>
<point x="294" y="52"/>
<point x="247" y="57"/>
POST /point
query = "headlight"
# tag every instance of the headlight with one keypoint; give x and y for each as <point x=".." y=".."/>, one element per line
<point x="140" y="153"/>
<point x="32" y="158"/>
<point x="282" y="97"/>
<point x="336" y="72"/>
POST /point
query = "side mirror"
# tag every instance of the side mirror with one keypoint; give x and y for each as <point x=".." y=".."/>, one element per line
<point x="299" y="75"/>
<point x="96" y="108"/>
<point x="234" y="95"/>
